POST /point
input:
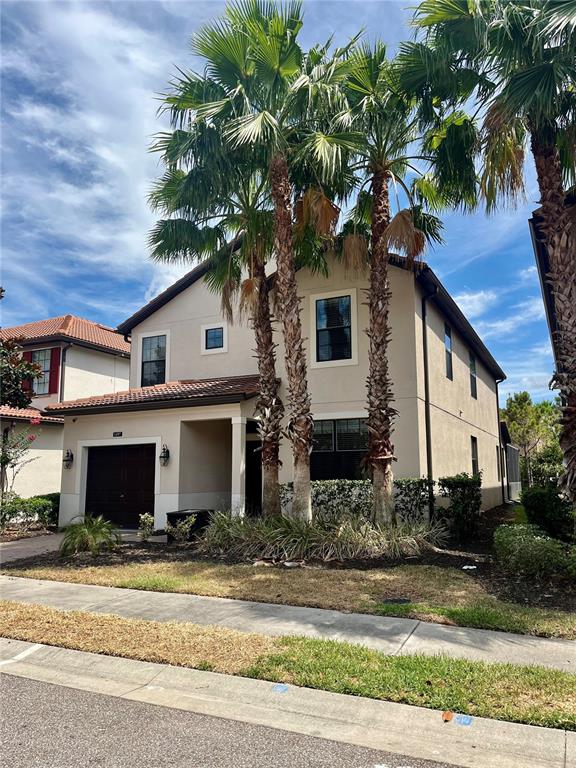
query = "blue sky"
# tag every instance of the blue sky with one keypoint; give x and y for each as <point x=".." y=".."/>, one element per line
<point x="79" y="96"/>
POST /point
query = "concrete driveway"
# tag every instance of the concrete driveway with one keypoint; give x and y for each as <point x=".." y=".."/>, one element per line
<point x="36" y="545"/>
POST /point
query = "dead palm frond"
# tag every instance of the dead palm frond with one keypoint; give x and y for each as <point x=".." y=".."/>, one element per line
<point x="355" y="253"/>
<point x="249" y="290"/>
<point x="228" y="290"/>
<point x="403" y="235"/>
<point x="314" y="209"/>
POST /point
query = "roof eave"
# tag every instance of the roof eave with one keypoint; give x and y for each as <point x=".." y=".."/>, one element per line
<point x="153" y="405"/>
<point x="75" y="342"/>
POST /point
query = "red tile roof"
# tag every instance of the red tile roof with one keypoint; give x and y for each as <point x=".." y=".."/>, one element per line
<point x="69" y="328"/>
<point x="188" y="392"/>
<point x="27" y="414"/>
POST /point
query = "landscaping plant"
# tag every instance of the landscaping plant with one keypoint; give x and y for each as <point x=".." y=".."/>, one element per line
<point x="146" y="526"/>
<point x="92" y="535"/>
<point x="525" y="550"/>
<point x="180" y="532"/>
<point x="464" y="494"/>
<point x="24" y="513"/>
<point x="548" y="509"/>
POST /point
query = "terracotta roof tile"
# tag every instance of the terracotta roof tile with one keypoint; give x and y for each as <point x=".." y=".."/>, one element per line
<point x="27" y="414"/>
<point x="72" y="328"/>
<point x="191" y="391"/>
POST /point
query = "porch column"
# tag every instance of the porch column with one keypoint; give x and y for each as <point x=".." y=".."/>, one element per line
<point x="238" y="485"/>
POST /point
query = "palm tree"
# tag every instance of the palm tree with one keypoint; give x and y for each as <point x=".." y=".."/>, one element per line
<point x="522" y="60"/>
<point x="391" y="152"/>
<point x="261" y="93"/>
<point x="221" y="212"/>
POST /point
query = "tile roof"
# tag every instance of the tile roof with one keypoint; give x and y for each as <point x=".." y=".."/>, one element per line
<point x="26" y="414"/>
<point x="191" y="392"/>
<point x="69" y="328"/>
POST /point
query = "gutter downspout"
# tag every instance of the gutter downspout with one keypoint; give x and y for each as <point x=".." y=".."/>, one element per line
<point x="429" y="463"/>
<point x="499" y="381"/>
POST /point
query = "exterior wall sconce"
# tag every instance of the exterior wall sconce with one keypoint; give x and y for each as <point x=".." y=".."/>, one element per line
<point x="68" y="458"/>
<point x="164" y="455"/>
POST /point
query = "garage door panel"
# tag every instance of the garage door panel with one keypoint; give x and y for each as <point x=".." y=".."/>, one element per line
<point x="120" y="482"/>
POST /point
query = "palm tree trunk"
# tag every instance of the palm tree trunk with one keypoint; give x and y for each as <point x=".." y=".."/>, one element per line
<point x="300" y="424"/>
<point x="380" y="411"/>
<point x="270" y="408"/>
<point x="560" y="241"/>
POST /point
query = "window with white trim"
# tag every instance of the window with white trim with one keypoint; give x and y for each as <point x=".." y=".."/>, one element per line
<point x="473" y="377"/>
<point x="214" y="338"/>
<point x="153" y="361"/>
<point x="334" y="329"/>
<point x="42" y="358"/>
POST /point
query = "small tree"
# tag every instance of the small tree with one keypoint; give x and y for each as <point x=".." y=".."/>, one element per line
<point x="14" y="449"/>
<point x="16" y="374"/>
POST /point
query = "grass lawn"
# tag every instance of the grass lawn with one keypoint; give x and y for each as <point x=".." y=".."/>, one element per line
<point x="443" y="595"/>
<point x="531" y="695"/>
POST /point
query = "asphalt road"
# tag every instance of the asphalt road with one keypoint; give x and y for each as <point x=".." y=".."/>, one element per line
<point x="48" y="726"/>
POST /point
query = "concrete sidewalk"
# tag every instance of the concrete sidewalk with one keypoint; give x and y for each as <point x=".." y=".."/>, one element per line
<point x="388" y="635"/>
<point x="411" y="731"/>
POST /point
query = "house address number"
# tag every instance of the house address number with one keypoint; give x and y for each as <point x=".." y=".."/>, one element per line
<point x="116" y="434"/>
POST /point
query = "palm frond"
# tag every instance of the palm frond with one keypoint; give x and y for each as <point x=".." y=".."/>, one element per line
<point x="401" y="234"/>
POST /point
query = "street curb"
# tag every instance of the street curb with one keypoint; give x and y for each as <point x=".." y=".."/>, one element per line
<point x="411" y="731"/>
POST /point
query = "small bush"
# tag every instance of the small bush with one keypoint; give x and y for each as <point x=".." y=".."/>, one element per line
<point x="54" y="499"/>
<point x="412" y="497"/>
<point x="24" y="513"/>
<point x="333" y="500"/>
<point x="547" y="509"/>
<point x="92" y="535"/>
<point x="462" y="516"/>
<point x="146" y="526"/>
<point x="526" y="550"/>
<point x="287" y="539"/>
<point x="181" y="531"/>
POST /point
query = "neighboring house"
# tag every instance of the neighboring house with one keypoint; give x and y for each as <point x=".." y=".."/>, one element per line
<point x="184" y="434"/>
<point x="78" y="358"/>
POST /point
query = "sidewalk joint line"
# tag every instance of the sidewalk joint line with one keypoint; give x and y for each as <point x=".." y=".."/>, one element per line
<point x="408" y="636"/>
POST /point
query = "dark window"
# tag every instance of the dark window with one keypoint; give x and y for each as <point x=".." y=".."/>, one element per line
<point x="473" y="378"/>
<point x="351" y="435"/>
<point x="42" y="357"/>
<point x="324" y="436"/>
<point x="448" y="351"/>
<point x="215" y="338"/>
<point x="333" y="329"/>
<point x="475" y="466"/>
<point x="339" y="447"/>
<point x="153" y="360"/>
<point x="498" y="467"/>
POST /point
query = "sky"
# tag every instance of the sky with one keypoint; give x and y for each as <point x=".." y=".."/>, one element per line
<point x="81" y="83"/>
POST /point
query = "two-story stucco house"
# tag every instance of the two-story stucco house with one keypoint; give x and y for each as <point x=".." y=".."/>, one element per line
<point x="184" y="436"/>
<point x="78" y="358"/>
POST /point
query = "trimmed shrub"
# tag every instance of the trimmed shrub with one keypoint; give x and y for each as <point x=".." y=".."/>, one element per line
<point x="285" y="539"/>
<point x="335" y="500"/>
<point x="25" y="513"/>
<point x="54" y="499"/>
<point x="92" y="535"/>
<point x="462" y="516"/>
<point x="547" y="509"/>
<point x="412" y="497"/>
<point x="180" y="533"/>
<point x="526" y="550"/>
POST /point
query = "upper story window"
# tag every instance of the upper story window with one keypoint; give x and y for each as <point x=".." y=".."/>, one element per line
<point x="153" y="360"/>
<point x="333" y="329"/>
<point x="448" y="351"/>
<point x="474" y="447"/>
<point x="214" y="338"/>
<point x="42" y="358"/>
<point x="473" y="377"/>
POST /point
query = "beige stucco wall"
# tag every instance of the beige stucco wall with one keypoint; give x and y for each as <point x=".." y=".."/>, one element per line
<point x="189" y="463"/>
<point x="89" y="372"/>
<point x="42" y="472"/>
<point x="455" y="415"/>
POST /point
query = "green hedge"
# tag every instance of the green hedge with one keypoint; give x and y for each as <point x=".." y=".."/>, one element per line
<point x="547" y="509"/>
<point x="526" y="550"/>
<point x="462" y="515"/>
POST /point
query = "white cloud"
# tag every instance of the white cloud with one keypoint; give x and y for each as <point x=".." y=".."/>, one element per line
<point x="529" y="311"/>
<point x="475" y="304"/>
<point x="529" y="370"/>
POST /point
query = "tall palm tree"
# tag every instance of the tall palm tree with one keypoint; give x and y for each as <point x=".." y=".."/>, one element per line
<point x="261" y="92"/>
<point x="391" y="152"/>
<point x="523" y="60"/>
<point x="222" y="213"/>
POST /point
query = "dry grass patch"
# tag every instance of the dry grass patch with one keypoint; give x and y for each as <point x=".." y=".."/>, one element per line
<point x="443" y="595"/>
<point x="179" y="644"/>
<point x="532" y="695"/>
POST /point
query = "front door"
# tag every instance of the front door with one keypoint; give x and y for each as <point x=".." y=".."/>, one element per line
<point x="120" y="483"/>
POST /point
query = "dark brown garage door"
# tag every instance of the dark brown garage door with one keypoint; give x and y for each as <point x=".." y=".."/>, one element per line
<point x="120" y="483"/>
